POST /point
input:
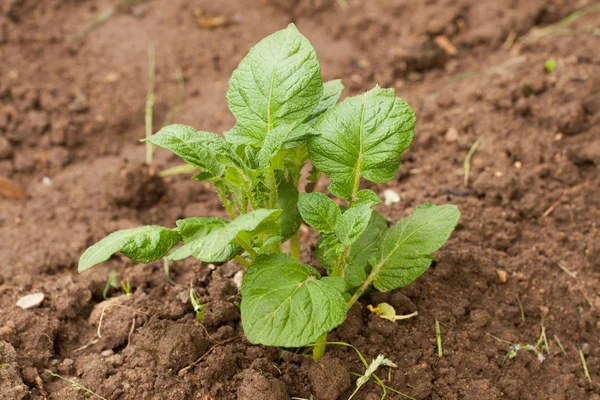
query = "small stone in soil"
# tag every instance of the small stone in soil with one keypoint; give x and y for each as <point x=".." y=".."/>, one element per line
<point x="502" y="275"/>
<point x="30" y="301"/>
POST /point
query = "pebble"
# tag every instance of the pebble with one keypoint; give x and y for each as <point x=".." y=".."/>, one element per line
<point x="586" y="349"/>
<point x="390" y="197"/>
<point x="30" y="301"/>
<point x="237" y="279"/>
<point x="502" y="275"/>
<point x="451" y="135"/>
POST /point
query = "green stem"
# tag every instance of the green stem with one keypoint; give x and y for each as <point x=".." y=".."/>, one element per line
<point x="361" y="290"/>
<point x="240" y="260"/>
<point x="319" y="348"/>
<point x="247" y="247"/>
<point x="226" y="202"/>
<point x="276" y="248"/>
<point x="340" y="265"/>
<point x="272" y="187"/>
<point x="295" y="246"/>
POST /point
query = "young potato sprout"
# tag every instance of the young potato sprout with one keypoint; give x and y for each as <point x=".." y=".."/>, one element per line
<point x="285" y="117"/>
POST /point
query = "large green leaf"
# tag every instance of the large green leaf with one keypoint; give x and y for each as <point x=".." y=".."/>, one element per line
<point x="353" y="223"/>
<point x="216" y="246"/>
<point x="290" y="219"/>
<point x="332" y="91"/>
<point x="143" y="244"/>
<point x="198" y="148"/>
<point x="406" y="248"/>
<point x="278" y="82"/>
<point x="284" y="303"/>
<point x="363" y="249"/>
<point x="319" y="211"/>
<point x="362" y="136"/>
<point x="192" y="229"/>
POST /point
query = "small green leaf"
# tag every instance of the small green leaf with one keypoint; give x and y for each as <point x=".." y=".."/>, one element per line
<point x="353" y="223"/>
<point x="327" y="251"/>
<point x="300" y="135"/>
<point x="284" y="303"/>
<point x="363" y="249"/>
<point x="143" y="244"/>
<point x="216" y="246"/>
<point x="278" y="82"/>
<point x="290" y="219"/>
<point x="319" y="211"/>
<point x="198" y="148"/>
<point x="363" y="136"/>
<point x="272" y="143"/>
<point x="192" y="229"/>
<point x="368" y="195"/>
<point x="406" y="248"/>
<point x="332" y="91"/>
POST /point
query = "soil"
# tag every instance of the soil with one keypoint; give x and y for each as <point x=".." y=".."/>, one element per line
<point x="525" y="257"/>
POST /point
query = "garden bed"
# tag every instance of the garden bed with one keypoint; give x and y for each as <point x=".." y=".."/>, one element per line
<point x="524" y="258"/>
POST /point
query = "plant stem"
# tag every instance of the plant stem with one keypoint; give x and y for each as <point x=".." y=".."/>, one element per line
<point x="246" y="247"/>
<point x="225" y="202"/>
<point x="319" y="348"/>
<point x="240" y="260"/>
<point x="359" y="292"/>
<point x="295" y="246"/>
<point x="338" y="269"/>
<point x="272" y="183"/>
<point x="150" y="102"/>
<point x="438" y="338"/>
<point x="467" y="164"/>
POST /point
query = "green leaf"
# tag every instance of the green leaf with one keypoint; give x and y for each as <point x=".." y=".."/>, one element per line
<point x="362" y="136"/>
<point x="369" y="196"/>
<point x="353" y="223"/>
<point x="284" y="303"/>
<point x="327" y="250"/>
<point x="332" y="91"/>
<point x="278" y="82"/>
<point x="290" y="219"/>
<point x="216" y="246"/>
<point x="198" y="148"/>
<point x="143" y="244"/>
<point x="363" y="249"/>
<point x="192" y="229"/>
<point x="406" y="248"/>
<point x="189" y="227"/>
<point x="272" y="143"/>
<point x="319" y="211"/>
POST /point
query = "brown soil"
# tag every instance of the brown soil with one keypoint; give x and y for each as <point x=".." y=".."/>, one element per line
<point x="71" y="114"/>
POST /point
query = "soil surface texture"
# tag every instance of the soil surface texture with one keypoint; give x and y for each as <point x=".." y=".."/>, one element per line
<point x="523" y="264"/>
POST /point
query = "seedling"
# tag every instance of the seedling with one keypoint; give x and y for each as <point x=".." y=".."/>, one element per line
<point x="286" y="116"/>
<point x="126" y="285"/>
<point x="76" y="385"/>
<point x="514" y="348"/>
<point x="198" y="307"/>
<point x="111" y="283"/>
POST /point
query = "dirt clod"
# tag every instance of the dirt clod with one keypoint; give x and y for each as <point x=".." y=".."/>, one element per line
<point x="172" y="345"/>
<point x="257" y="386"/>
<point x="329" y="378"/>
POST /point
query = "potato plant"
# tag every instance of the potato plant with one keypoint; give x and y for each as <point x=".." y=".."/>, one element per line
<point x="285" y="117"/>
